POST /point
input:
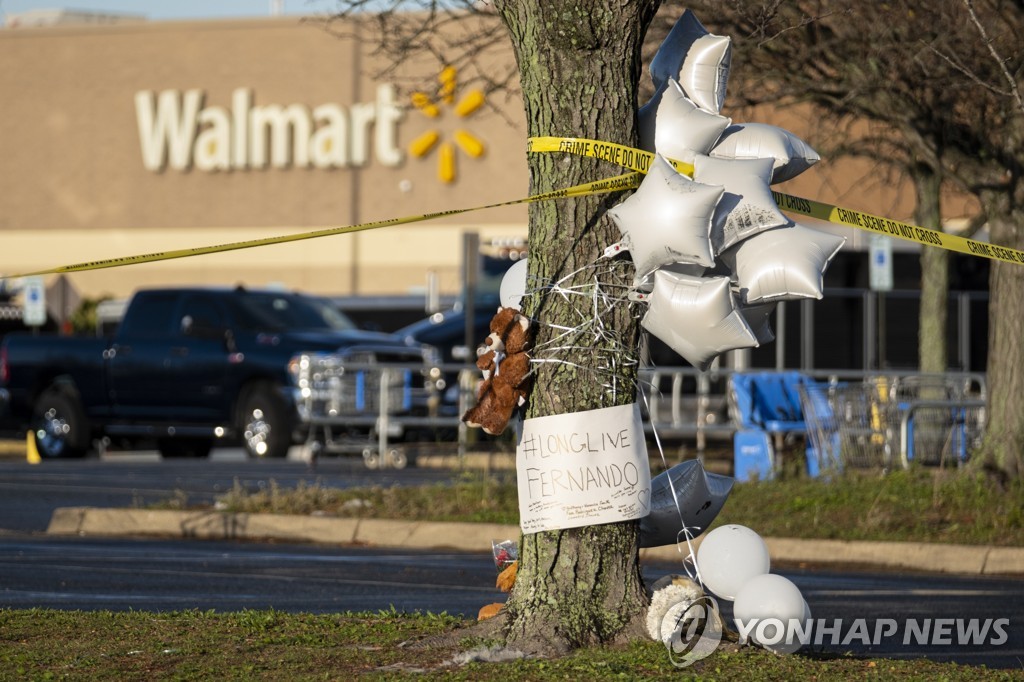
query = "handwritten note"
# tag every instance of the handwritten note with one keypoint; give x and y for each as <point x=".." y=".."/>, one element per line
<point x="583" y="469"/>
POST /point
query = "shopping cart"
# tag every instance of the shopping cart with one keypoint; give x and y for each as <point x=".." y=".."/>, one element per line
<point x="847" y="426"/>
<point x="889" y="422"/>
<point x="939" y="419"/>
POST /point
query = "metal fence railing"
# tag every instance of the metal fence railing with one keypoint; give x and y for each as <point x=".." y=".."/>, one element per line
<point x="850" y="419"/>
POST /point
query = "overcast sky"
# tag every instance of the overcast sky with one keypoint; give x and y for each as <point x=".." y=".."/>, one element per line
<point x="174" y="9"/>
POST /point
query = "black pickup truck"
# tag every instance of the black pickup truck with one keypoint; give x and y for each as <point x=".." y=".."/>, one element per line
<point x="188" y="368"/>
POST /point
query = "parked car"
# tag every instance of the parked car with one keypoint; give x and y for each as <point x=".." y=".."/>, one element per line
<point x="189" y="367"/>
<point x="446" y="332"/>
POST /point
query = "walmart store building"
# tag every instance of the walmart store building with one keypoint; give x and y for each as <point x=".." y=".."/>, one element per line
<point x="130" y="138"/>
<point x="136" y="137"/>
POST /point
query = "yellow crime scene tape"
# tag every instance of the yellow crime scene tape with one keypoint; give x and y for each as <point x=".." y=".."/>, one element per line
<point x="894" y="228"/>
<point x="628" y="157"/>
<point x="637" y="161"/>
<point x="614" y="184"/>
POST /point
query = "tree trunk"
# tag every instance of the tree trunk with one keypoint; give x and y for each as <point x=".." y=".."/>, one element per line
<point x="1002" y="450"/>
<point x="579" y="65"/>
<point x="934" y="307"/>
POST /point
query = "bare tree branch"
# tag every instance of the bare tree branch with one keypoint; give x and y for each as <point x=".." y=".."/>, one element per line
<point x="1014" y="89"/>
<point x="962" y="68"/>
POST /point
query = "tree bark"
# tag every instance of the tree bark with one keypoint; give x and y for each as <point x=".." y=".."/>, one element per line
<point x="579" y="65"/>
<point x="934" y="306"/>
<point x="1002" y="450"/>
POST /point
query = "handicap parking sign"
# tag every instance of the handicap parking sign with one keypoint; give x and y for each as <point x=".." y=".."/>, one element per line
<point x="33" y="306"/>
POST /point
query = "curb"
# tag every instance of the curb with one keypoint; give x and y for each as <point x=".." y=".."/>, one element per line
<point x="214" y="525"/>
<point x="477" y="537"/>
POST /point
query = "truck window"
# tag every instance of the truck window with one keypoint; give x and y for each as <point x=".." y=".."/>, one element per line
<point x="204" y="312"/>
<point x="268" y="311"/>
<point x="149" y="314"/>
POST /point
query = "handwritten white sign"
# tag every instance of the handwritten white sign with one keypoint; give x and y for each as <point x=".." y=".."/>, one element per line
<point x="583" y="469"/>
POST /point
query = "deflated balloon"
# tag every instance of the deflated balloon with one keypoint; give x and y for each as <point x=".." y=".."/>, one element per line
<point x="667" y="220"/>
<point x="782" y="264"/>
<point x="685" y="495"/>
<point x="673" y="126"/>
<point x="696" y="317"/>
<point x="697" y="59"/>
<point x="791" y="155"/>
<point x="747" y="207"/>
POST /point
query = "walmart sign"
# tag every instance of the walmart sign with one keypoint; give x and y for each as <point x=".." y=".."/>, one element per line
<point x="177" y="131"/>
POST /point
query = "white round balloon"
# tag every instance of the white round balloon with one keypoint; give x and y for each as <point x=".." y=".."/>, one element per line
<point x="729" y="557"/>
<point x="513" y="285"/>
<point x="769" y="610"/>
<point x="792" y="641"/>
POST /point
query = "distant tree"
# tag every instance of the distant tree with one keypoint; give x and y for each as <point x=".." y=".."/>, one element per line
<point x="940" y="82"/>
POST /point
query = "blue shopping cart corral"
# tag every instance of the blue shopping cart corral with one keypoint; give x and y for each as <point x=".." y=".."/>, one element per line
<point x="763" y="405"/>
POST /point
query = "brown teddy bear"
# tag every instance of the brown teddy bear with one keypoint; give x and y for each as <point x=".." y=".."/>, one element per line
<point x="504" y="361"/>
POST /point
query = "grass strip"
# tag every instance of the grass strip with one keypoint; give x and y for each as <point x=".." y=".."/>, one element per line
<point x="919" y="505"/>
<point x="270" y="645"/>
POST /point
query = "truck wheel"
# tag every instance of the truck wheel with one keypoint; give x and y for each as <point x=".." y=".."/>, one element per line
<point x="59" y="426"/>
<point x="176" y="448"/>
<point x="266" y="426"/>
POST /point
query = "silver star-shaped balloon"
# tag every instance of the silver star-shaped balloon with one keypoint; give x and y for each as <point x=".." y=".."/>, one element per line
<point x="667" y="220"/>
<point x="698" y="60"/>
<point x="782" y="264"/>
<point x="747" y="207"/>
<point x="696" y="317"/>
<point x="792" y="156"/>
<point x="673" y="126"/>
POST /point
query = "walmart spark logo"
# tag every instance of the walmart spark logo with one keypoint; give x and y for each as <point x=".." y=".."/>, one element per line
<point x="471" y="145"/>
